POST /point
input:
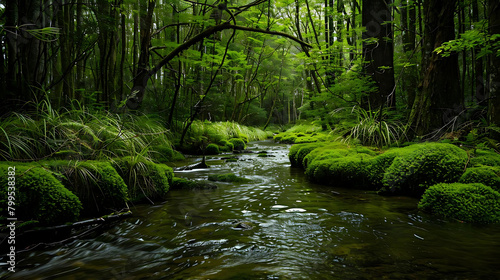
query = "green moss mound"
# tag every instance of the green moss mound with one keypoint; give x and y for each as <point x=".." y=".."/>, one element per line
<point x="39" y="195"/>
<point x="146" y="180"/>
<point x="487" y="175"/>
<point x="212" y="149"/>
<point x="225" y="146"/>
<point x="474" y="203"/>
<point x="96" y="183"/>
<point x="165" y="153"/>
<point x="424" y="165"/>
<point x="484" y="157"/>
<point x="299" y="151"/>
<point x="299" y="137"/>
<point x="229" y="177"/>
<point x="238" y="144"/>
<point x="351" y="170"/>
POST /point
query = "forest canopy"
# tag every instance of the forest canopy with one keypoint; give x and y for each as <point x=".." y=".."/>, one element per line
<point x="431" y="64"/>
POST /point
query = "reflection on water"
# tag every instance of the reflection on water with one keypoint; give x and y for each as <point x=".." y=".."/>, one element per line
<point x="278" y="226"/>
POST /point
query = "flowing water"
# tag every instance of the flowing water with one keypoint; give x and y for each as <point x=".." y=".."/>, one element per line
<point x="278" y="226"/>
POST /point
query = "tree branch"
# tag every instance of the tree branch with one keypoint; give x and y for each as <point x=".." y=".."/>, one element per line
<point x="141" y="79"/>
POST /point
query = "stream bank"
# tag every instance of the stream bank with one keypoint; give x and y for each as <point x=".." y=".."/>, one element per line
<point x="277" y="226"/>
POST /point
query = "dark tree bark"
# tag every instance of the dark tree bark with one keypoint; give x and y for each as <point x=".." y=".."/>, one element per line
<point x="410" y="76"/>
<point x="378" y="53"/>
<point x="494" y="69"/>
<point x="440" y="99"/>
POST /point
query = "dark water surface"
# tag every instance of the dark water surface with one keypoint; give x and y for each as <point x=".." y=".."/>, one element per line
<point x="278" y="226"/>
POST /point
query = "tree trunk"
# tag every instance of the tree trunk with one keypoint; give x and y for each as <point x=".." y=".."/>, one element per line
<point x="494" y="69"/>
<point x="440" y="100"/>
<point x="378" y="52"/>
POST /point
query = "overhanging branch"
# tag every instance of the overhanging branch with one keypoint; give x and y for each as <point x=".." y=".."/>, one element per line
<point x="141" y="80"/>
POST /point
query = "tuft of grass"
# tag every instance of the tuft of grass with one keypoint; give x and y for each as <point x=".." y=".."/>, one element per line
<point x="374" y="128"/>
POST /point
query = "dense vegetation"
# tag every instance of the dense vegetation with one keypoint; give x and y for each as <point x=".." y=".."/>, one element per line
<point x="98" y="95"/>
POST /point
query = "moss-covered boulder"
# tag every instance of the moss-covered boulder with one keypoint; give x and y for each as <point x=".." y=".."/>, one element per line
<point x="165" y="153"/>
<point x="424" y="165"/>
<point x="96" y="183"/>
<point x="146" y="180"/>
<point x="484" y="157"/>
<point x="298" y="152"/>
<point x="475" y="203"/>
<point x="38" y="195"/>
<point x="238" y="144"/>
<point x="487" y="175"/>
<point x="229" y="177"/>
<point x="225" y="146"/>
<point x="351" y="170"/>
<point x="212" y="149"/>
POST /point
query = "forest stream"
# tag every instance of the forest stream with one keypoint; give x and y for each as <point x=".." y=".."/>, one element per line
<point x="277" y="226"/>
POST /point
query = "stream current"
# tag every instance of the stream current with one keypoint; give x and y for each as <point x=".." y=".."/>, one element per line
<point x="277" y="226"/>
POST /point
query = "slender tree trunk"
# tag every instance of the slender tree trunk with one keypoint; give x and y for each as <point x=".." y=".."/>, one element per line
<point x="479" y="78"/>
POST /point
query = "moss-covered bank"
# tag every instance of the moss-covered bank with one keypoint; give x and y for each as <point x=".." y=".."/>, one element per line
<point x="411" y="171"/>
<point x="54" y="192"/>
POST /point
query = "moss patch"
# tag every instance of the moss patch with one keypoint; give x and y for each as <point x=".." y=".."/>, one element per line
<point x="96" y="183"/>
<point x="165" y="153"/>
<point x="484" y="157"/>
<point x="424" y="165"/>
<point x="229" y="177"/>
<point x="238" y="144"/>
<point x="475" y="203"/>
<point x="212" y="149"/>
<point x="487" y="175"/>
<point x="146" y="181"/>
<point x="39" y="195"/>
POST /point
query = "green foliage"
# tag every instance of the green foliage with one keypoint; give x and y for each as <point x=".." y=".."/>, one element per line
<point x="79" y="133"/>
<point x="39" y="195"/>
<point x="165" y="153"/>
<point x="201" y="133"/>
<point x="375" y="129"/>
<point x="146" y="180"/>
<point x="486" y="175"/>
<point x="424" y="165"/>
<point x="474" y="203"/>
<point x="470" y="39"/>
<point x="96" y="183"/>
<point x="238" y="144"/>
<point x="229" y="177"/>
<point x="212" y="149"/>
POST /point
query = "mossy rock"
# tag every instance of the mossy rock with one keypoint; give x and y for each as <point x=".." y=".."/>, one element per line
<point x="424" y="165"/>
<point x="146" y="180"/>
<point x="96" y="183"/>
<point x="39" y="195"/>
<point x="474" y="203"/>
<point x="484" y="157"/>
<point x="165" y="153"/>
<point x="349" y="171"/>
<point x="181" y="183"/>
<point x="487" y="175"/>
<point x="229" y="177"/>
<point x="212" y="149"/>
<point x="298" y="152"/>
<point x="238" y="144"/>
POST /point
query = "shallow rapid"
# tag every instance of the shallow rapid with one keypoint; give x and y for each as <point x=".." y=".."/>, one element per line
<point x="277" y="226"/>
